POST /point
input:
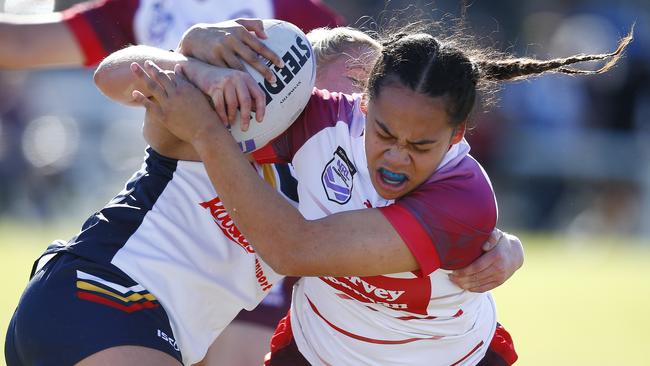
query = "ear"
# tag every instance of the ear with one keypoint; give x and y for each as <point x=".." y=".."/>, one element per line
<point x="459" y="133"/>
<point x="364" y="104"/>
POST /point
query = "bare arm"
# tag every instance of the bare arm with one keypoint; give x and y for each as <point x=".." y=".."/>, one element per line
<point x="229" y="90"/>
<point x="29" y="41"/>
<point x="360" y="242"/>
<point x="114" y="77"/>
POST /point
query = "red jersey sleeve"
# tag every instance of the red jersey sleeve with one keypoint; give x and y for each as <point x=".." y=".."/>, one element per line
<point x="307" y="14"/>
<point x="324" y="109"/>
<point x="102" y="26"/>
<point x="445" y="222"/>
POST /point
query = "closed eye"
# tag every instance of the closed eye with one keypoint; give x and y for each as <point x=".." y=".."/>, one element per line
<point x="384" y="136"/>
<point x="420" y="148"/>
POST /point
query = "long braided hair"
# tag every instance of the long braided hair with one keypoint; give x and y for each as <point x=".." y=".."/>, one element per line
<point x="454" y="69"/>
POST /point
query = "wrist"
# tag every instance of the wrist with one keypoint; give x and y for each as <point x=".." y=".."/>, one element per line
<point x="195" y="71"/>
<point x="214" y="136"/>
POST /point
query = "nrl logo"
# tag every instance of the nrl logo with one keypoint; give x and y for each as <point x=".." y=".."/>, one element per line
<point x="337" y="177"/>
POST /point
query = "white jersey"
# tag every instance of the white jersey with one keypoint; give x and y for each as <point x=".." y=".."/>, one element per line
<point x="397" y="319"/>
<point x="169" y="231"/>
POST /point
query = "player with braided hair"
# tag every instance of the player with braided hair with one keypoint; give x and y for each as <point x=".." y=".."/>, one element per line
<point x="390" y="202"/>
<point x="106" y="230"/>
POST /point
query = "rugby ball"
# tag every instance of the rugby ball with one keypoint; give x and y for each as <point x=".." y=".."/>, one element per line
<point x="285" y="99"/>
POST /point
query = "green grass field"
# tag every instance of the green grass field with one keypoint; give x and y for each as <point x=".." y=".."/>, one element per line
<point x="575" y="302"/>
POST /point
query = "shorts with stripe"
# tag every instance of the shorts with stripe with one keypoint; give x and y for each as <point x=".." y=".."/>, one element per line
<point x="73" y="308"/>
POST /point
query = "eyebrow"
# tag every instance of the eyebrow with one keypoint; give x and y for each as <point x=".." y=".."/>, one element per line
<point x="387" y="131"/>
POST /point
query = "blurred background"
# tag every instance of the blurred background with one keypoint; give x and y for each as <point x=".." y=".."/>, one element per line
<point x="569" y="159"/>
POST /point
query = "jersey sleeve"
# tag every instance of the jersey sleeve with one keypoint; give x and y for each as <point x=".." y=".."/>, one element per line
<point x="324" y="109"/>
<point x="101" y="27"/>
<point x="307" y="14"/>
<point x="445" y="223"/>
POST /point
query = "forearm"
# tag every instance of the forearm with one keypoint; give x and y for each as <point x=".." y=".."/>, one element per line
<point x="268" y="221"/>
<point x="358" y="242"/>
<point x="114" y="77"/>
<point x="29" y="41"/>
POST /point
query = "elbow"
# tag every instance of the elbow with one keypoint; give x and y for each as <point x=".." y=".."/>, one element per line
<point x="283" y="264"/>
<point x="292" y="249"/>
<point x="293" y="259"/>
<point x="101" y="79"/>
<point x="113" y="83"/>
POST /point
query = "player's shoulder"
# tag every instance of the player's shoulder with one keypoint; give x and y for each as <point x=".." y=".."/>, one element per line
<point x="465" y="178"/>
<point x="463" y="190"/>
<point x="326" y="107"/>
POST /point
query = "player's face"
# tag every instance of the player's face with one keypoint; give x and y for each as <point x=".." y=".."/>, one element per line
<point x="407" y="135"/>
<point x="343" y="74"/>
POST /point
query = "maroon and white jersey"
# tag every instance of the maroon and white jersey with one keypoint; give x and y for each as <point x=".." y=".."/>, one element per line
<point x="418" y="318"/>
<point x="104" y="26"/>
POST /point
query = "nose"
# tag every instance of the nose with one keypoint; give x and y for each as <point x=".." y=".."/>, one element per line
<point x="397" y="155"/>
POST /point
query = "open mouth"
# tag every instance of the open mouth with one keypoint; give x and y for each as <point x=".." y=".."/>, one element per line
<point x="392" y="179"/>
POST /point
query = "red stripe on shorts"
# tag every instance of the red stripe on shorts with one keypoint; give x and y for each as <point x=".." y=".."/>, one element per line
<point x="104" y="301"/>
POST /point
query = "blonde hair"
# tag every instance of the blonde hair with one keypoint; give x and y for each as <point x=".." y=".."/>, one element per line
<point x="330" y="43"/>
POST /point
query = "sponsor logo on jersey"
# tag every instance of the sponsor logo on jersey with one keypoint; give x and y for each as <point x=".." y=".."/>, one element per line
<point x="337" y="177"/>
<point x="261" y="278"/>
<point x="404" y="294"/>
<point x="225" y="223"/>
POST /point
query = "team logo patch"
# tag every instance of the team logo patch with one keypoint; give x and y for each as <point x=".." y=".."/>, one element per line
<point x="338" y="177"/>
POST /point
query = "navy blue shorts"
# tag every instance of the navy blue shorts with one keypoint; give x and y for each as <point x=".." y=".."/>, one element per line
<point x="73" y="308"/>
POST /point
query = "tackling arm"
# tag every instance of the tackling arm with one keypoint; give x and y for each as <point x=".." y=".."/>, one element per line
<point x="114" y="77"/>
<point x="360" y="242"/>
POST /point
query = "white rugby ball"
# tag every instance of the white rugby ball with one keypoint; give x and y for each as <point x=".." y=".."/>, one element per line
<point x="289" y="95"/>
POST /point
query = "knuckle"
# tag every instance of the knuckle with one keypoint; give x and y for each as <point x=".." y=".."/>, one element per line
<point x="229" y="38"/>
<point x="249" y="54"/>
<point x="218" y="49"/>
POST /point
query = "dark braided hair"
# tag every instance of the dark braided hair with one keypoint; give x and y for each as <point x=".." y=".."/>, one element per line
<point x="457" y="71"/>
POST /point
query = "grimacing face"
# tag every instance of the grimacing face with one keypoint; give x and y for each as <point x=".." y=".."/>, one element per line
<point x="407" y="135"/>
